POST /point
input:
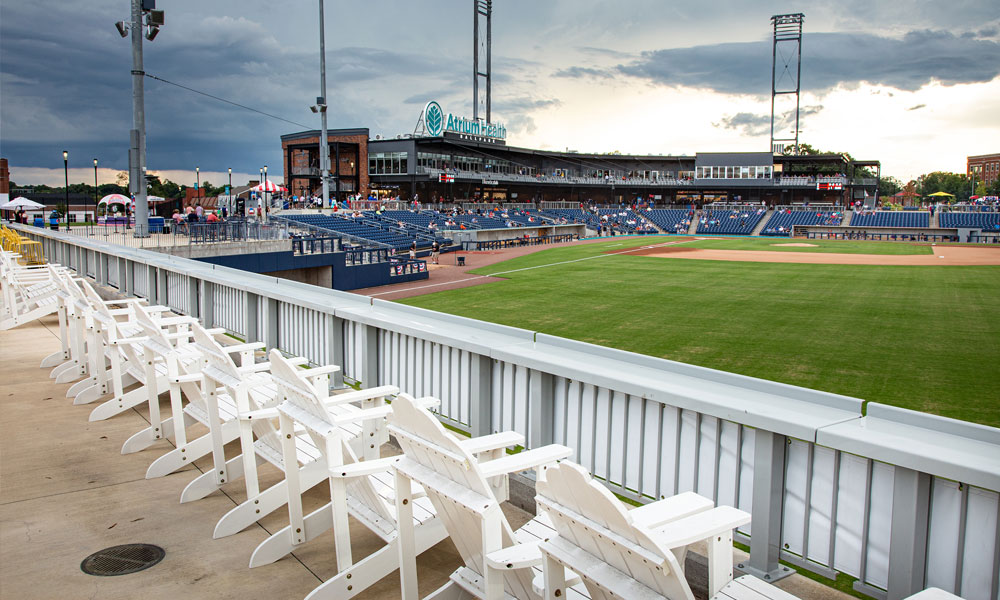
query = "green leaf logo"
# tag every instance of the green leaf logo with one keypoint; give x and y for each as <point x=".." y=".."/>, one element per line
<point x="433" y="118"/>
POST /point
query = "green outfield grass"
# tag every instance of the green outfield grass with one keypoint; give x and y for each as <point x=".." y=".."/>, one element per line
<point x="925" y="338"/>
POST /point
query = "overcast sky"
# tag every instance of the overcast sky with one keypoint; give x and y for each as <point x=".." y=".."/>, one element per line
<point x="915" y="84"/>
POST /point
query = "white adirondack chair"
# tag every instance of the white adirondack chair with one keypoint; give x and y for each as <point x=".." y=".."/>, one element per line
<point x="630" y="554"/>
<point x="114" y="351"/>
<point x="124" y="341"/>
<point x="29" y="293"/>
<point x="180" y="357"/>
<point x="258" y="419"/>
<point x="497" y="559"/>
<point x="210" y="406"/>
<point x="360" y="488"/>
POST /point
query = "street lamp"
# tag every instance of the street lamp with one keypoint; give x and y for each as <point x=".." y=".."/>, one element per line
<point x="66" y="172"/>
<point x="197" y="179"/>
<point x="229" y="192"/>
<point x="259" y="195"/>
<point x="266" y="198"/>
<point x="95" y="191"/>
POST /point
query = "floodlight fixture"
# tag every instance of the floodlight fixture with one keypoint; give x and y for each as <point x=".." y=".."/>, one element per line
<point x="122" y="28"/>
<point x="151" y="32"/>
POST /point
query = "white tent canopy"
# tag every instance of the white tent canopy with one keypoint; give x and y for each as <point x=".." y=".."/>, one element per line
<point x="21" y="202"/>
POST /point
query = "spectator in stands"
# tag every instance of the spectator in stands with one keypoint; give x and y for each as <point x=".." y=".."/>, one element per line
<point x="413" y="250"/>
<point x="210" y="217"/>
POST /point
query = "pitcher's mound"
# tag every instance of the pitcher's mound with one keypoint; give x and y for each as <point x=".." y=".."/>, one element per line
<point x="797" y="245"/>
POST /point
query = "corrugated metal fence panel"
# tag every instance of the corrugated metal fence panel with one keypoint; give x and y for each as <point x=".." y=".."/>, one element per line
<point x="90" y="266"/>
<point x="643" y="447"/>
<point x="139" y="276"/>
<point x="177" y="293"/>
<point x="425" y="368"/>
<point x="113" y="262"/>
<point x="303" y="332"/>
<point x="510" y="394"/>
<point x="961" y="542"/>
<point x="229" y="307"/>
<point x="352" y="350"/>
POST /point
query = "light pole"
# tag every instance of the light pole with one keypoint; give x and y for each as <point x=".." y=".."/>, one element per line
<point x="324" y="148"/>
<point x="260" y="194"/>
<point x="95" y="191"/>
<point x="143" y="16"/>
<point x="66" y="173"/>
<point x="266" y="206"/>
<point x="229" y="192"/>
<point x="197" y="180"/>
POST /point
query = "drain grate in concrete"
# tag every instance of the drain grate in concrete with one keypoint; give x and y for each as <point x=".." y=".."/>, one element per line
<point x="122" y="560"/>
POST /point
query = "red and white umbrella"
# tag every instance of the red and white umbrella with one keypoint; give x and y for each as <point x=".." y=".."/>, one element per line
<point x="269" y="186"/>
<point x="115" y="199"/>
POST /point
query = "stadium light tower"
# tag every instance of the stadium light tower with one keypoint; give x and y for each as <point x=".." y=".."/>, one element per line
<point x="786" y="44"/>
<point x="144" y="17"/>
<point x="482" y="11"/>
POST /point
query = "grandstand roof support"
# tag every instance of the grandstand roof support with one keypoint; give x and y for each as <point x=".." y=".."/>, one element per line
<point x="786" y="44"/>
<point x="482" y="11"/>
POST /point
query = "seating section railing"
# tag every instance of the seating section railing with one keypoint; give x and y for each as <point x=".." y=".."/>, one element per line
<point x="782" y="221"/>
<point x="897" y="499"/>
<point x="887" y="218"/>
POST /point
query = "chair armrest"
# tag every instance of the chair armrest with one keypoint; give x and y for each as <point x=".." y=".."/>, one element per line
<point x="522" y="461"/>
<point x="179" y="335"/>
<point x="661" y="512"/>
<point x="325" y="428"/>
<point x="132" y="340"/>
<point x="518" y="556"/>
<point x="357" y="395"/>
<point x="122" y="301"/>
<point x="700" y="526"/>
<point x="216" y="331"/>
<point x="266" y="366"/>
<point x="493" y="441"/>
<point x="244" y="347"/>
<point x="365" y="467"/>
<point x="260" y="415"/>
<point x="189" y="378"/>
<point x="364" y="414"/>
<point x="318" y="371"/>
<point x="176" y="321"/>
<point x="117" y="312"/>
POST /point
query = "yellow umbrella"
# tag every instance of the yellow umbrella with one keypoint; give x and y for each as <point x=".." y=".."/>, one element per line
<point x="942" y="194"/>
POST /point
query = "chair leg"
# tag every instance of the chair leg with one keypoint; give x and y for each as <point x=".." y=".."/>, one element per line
<point x="271" y="499"/>
<point x="119" y="405"/>
<point x="377" y="565"/>
<point x="149" y="436"/>
<point x="190" y="452"/>
<point x="206" y="483"/>
<point x="281" y="543"/>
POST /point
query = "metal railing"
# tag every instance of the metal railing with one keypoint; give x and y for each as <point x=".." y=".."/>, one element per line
<point x="898" y="499"/>
<point x="474" y="245"/>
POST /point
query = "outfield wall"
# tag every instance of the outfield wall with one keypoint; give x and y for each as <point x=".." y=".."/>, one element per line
<point x="898" y="499"/>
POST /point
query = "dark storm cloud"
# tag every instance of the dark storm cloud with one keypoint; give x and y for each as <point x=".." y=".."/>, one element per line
<point x="67" y="86"/>
<point x="828" y="60"/>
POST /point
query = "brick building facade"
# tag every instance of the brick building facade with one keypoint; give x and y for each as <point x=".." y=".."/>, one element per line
<point x="985" y="167"/>
<point x="348" y="162"/>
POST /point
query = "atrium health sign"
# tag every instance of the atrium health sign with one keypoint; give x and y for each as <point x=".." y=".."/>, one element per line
<point x="436" y="124"/>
